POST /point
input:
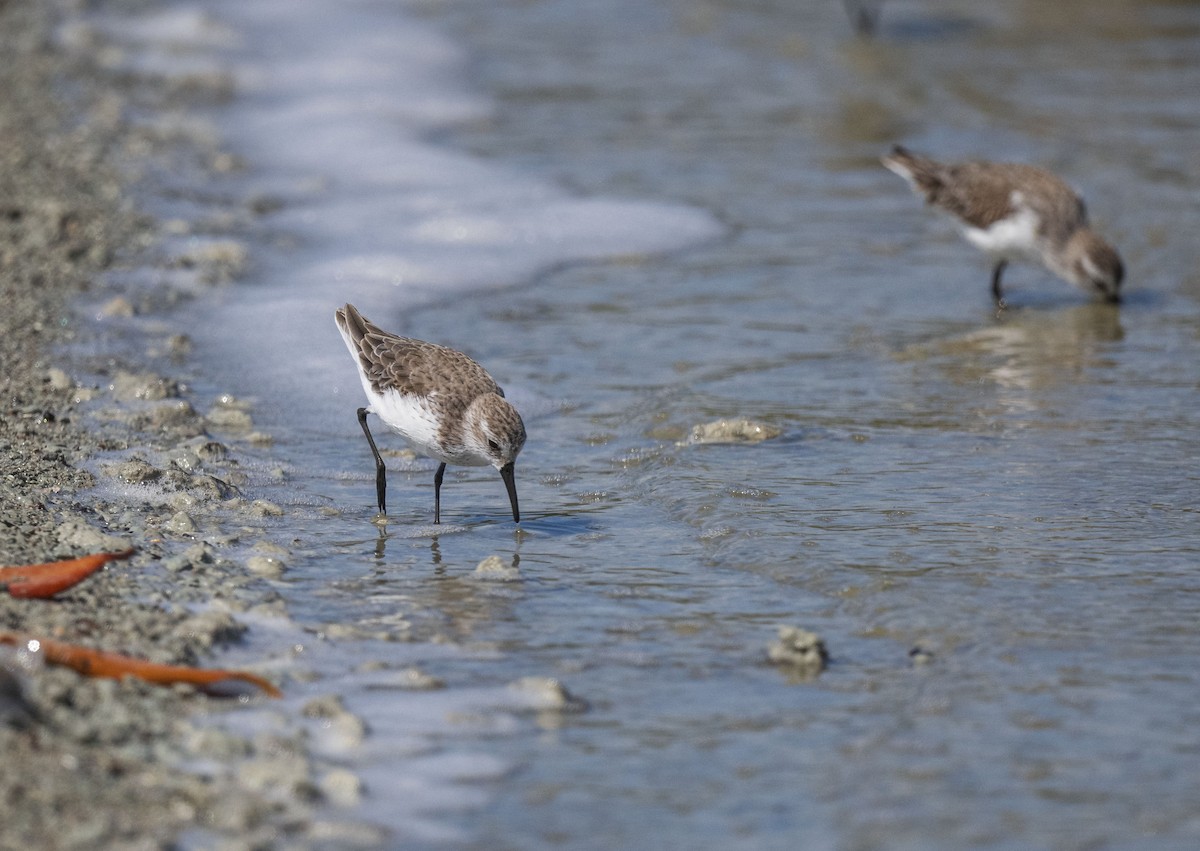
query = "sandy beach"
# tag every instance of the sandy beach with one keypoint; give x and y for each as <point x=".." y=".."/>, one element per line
<point x="96" y="763"/>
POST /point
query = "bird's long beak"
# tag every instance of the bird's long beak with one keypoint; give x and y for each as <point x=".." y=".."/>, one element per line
<point x="510" y="482"/>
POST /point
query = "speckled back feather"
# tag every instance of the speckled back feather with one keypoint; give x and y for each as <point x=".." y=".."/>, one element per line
<point x="411" y="366"/>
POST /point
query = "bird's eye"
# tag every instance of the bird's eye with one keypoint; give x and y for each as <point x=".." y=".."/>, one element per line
<point x="494" y="446"/>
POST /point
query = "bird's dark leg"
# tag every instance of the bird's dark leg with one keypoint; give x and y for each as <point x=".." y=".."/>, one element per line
<point x="437" y="492"/>
<point x="380" y="470"/>
<point x="996" y="293"/>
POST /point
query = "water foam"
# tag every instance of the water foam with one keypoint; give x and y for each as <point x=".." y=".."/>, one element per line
<point x="335" y="106"/>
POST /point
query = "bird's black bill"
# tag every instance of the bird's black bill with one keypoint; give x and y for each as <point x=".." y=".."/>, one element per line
<point x="510" y="481"/>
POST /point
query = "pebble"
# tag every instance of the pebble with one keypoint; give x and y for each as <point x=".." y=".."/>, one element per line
<point x="179" y="346"/>
<point x="136" y="471"/>
<point x="77" y="536"/>
<point x="494" y="569"/>
<point x="266" y="567"/>
<point x="130" y="386"/>
<point x="181" y="524"/>
<point x="174" y="415"/>
<point x="209" y="450"/>
<point x="118" y="307"/>
<point x="414" y="679"/>
<point x="182" y="501"/>
<point x="799" y="649"/>
<point x="344" y="729"/>
<point x="341" y="788"/>
<point x="194" y="556"/>
<point x="280" y="772"/>
<point x="231" y="419"/>
<point x="221" y="260"/>
<point x="732" y="431"/>
<point x="213" y="626"/>
<point x="920" y="655"/>
<point x="334" y="834"/>
<point x="210" y="487"/>
<point x="265" y="508"/>
<point x="184" y="459"/>
<point x="547" y="693"/>
<point x="58" y="379"/>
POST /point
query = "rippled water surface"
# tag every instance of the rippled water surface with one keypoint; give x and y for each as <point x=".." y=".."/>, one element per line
<point x="1016" y="495"/>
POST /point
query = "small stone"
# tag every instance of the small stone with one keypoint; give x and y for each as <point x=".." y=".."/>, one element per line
<point x="210" y="487"/>
<point x="266" y="567"/>
<point x="920" y="656"/>
<point x="232" y="419"/>
<point x="136" y="471"/>
<point x="181" y="524"/>
<point x="173" y="415"/>
<point x="415" y="679"/>
<point x="323" y="706"/>
<point x="192" y="557"/>
<point x="494" y="569"/>
<point x="342" y="729"/>
<point x="210" y="450"/>
<point x="271" y="548"/>
<point x="799" y="649"/>
<point x="184" y="459"/>
<point x="341" y="788"/>
<point x="264" y="508"/>
<point x="182" y="501"/>
<point x="119" y="307"/>
<point x="212" y="627"/>
<point x="547" y="693"/>
<point x="77" y="536"/>
<point x="129" y="386"/>
<point x="58" y="379"/>
<point x="179" y="346"/>
<point x="220" y="260"/>
<point x="323" y="833"/>
<point x="732" y="431"/>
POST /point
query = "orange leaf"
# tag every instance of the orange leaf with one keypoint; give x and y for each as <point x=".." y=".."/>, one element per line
<point x="46" y="580"/>
<point x="97" y="663"/>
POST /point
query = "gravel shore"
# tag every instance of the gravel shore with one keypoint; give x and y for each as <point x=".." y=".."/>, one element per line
<point x="98" y="763"/>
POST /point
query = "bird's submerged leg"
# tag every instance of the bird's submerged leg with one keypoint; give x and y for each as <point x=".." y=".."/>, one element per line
<point x="437" y="492"/>
<point x="380" y="470"/>
<point x="997" y="273"/>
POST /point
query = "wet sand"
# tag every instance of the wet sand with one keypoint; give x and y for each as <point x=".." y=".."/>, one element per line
<point x="98" y="763"/>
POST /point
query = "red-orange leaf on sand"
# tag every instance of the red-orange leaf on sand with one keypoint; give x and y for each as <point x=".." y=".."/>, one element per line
<point x="97" y="663"/>
<point x="46" y="580"/>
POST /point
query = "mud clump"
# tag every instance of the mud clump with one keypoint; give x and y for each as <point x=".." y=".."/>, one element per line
<point x="800" y="651"/>
<point x="494" y="569"/>
<point x="732" y="431"/>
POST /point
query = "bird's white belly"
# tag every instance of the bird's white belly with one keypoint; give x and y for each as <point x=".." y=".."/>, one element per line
<point x="1014" y="237"/>
<point x="418" y="421"/>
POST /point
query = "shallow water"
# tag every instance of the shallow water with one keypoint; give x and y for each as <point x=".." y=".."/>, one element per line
<point x="1016" y="495"/>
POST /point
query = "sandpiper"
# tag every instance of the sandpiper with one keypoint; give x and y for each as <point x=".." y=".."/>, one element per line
<point x="441" y="402"/>
<point x="1016" y="212"/>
